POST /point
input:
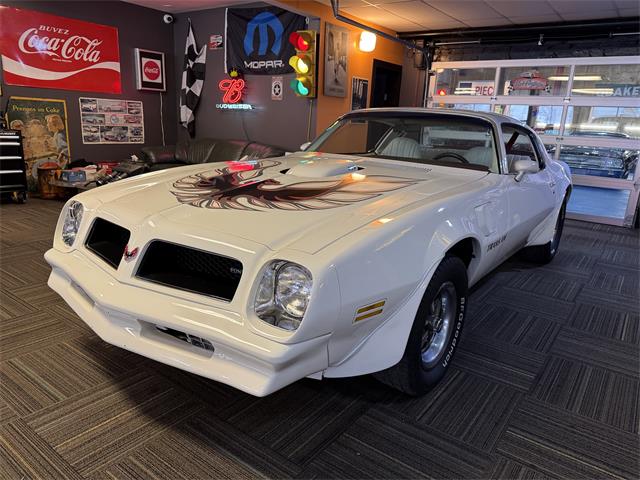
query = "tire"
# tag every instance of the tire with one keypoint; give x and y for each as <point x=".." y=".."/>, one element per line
<point x="543" y="254"/>
<point x="435" y="333"/>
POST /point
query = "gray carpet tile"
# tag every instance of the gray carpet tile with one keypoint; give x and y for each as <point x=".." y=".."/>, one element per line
<point x="563" y="445"/>
<point x="545" y="384"/>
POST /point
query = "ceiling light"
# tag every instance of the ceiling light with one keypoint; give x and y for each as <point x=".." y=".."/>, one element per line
<point x="367" y="41"/>
<point x="579" y="78"/>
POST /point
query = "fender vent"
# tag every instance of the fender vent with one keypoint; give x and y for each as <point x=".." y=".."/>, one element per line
<point x="190" y="269"/>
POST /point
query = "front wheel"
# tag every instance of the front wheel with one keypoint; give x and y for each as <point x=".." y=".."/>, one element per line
<point x="435" y="333"/>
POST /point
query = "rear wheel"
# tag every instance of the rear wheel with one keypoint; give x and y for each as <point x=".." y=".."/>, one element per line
<point x="545" y="253"/>
<point x="435" y="333"/>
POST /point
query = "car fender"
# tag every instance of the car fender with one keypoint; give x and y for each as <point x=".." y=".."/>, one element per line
<point x="373" y="344"/>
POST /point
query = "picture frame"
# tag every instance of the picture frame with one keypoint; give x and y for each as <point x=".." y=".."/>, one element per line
<point x="150" y="70"/>
<point x="336" y="48"/>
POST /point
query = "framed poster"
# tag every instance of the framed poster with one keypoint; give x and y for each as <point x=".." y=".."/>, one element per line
<point x="47" y="51"/>
<point x="108" y="121"/>
<point x="43" y="124"/>
<point x="336" y="43"/>
<point x="150" y="70"/>
<point x="359" y="93"/>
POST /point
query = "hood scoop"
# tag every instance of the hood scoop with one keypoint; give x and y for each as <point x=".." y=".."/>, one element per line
<point x="320" y="167"/>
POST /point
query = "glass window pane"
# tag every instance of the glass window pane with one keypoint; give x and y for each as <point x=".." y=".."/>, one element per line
<point x="600" y="161"/>
<point x="534" y="81"/>
<point x="474" y="107"/>
<point x="466" y="81"/>
<point x="603" y="122"/>
<point x="598" y="201"/>
<point x="544" y="119"/>
<point x="607" y="80"/>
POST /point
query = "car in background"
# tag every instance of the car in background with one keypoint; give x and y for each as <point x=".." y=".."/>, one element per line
<point x="612" y="162"/>
<point x="352" y="256"/>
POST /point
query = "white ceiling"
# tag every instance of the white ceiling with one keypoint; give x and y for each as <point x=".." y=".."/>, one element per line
<point x="414" y="15"/>
<point x="179" y="6"/>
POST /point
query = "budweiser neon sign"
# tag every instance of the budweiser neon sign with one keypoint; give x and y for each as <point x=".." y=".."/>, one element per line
<point x="233" y="90"/>
<point x="42" y="50"/>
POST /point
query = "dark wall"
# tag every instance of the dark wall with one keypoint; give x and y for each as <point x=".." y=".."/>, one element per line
<point x="138" y="27"/>
<point x="276" y="122"/>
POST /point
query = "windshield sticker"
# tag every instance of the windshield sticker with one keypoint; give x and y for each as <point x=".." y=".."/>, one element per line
<point x="239" y="189"/>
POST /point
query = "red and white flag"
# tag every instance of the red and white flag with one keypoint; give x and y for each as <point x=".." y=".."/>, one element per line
<point x="48" y="51"/>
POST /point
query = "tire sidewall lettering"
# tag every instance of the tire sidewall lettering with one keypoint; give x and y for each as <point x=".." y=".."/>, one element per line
<point x="456" y="333"/>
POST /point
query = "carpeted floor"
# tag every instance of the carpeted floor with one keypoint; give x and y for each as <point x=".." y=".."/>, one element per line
<point x="545" y="384"/>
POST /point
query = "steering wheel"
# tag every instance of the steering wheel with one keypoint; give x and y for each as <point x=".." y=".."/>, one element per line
<point x="457" y="156"/>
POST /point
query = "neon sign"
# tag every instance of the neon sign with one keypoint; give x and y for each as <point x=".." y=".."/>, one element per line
<point x="233" y="89"/>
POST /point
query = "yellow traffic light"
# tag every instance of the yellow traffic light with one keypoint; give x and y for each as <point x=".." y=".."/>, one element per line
<point x="304" y="63"/>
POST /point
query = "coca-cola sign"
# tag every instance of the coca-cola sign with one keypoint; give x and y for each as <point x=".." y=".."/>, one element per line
<point x="150" y="70"/>
<point x="48" y="51"/>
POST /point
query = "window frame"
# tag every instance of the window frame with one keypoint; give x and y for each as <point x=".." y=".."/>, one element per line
<point x="533" y="138"/>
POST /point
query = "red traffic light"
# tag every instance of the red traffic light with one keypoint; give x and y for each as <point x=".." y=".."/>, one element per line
<point x="299" y="41"/>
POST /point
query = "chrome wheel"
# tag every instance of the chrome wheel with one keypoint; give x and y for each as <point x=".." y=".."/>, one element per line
<point x="438" y="324"/>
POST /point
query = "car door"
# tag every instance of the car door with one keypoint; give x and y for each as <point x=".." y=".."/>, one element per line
<point x="531" y="199"/>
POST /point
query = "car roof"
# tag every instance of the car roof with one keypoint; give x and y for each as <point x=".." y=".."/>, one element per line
<point x="490" y="116"/>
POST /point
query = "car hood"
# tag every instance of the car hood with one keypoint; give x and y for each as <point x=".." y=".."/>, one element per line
<point x="303" y="201"/>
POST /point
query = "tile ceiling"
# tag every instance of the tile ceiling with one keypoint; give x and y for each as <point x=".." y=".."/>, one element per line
<point x="416" y="15"/>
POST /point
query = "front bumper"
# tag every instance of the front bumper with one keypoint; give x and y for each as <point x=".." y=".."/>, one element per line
<point x="126" y="316"/>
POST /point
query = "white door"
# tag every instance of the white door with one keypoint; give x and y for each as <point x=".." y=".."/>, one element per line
<point x="530" y="200"/>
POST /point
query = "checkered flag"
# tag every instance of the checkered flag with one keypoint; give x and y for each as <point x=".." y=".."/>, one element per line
<point x="192" y="80"/>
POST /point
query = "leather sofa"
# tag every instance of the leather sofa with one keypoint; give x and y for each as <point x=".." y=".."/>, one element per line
<point x="206" y="150"/>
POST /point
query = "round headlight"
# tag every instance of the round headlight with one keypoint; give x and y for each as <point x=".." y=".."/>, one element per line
<point x="293" y="289"/>
<point x="283" y="294"/>
<point x="71" y="224"/>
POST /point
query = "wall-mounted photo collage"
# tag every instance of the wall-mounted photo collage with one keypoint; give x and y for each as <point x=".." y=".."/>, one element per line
<point x="109" y="121"/>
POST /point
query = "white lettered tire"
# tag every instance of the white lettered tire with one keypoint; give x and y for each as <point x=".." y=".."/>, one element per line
<point x="435" y="334"/>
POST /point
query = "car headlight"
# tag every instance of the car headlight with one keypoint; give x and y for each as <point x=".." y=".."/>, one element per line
<point x="71" y="224"/>
<point x="283" y="294"/>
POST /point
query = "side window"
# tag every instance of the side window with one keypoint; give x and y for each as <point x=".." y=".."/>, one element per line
<point x="518" y="146"/>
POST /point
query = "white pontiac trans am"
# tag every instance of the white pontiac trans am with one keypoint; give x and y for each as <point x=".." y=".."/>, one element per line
<point x="351" y="257"/>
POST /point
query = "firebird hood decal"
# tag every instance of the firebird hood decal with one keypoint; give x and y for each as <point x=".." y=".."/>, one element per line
<point x="239" y="187"/>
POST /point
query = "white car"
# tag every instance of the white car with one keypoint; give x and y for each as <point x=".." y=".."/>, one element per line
<point x="352" y="257"/>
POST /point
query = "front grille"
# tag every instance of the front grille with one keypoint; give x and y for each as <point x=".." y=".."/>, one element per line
<point x="107" y="240"/>
<point x="190" y="269"/>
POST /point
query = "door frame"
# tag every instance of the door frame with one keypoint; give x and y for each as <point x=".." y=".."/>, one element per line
<point x="389" y="66"/>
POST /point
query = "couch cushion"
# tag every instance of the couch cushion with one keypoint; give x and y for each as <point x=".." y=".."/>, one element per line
<point x="256" y="150"/>
<point x="201" y="151"/>
<point x="156" y="155"/>
<point x="228" y="150"/>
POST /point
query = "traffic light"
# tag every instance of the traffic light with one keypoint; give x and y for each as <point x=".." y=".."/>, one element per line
<point x="304" y="63"/>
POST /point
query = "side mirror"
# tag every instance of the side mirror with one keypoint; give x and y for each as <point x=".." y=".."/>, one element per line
<point x="304" y="146"/>
<point x="522" y="167"/>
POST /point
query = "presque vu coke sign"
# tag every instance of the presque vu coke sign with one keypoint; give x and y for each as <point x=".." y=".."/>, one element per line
<point x="48" y="51"/>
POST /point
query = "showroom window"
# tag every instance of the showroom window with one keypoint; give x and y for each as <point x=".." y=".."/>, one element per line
<point x="544" y="119"/>
<point x="607" y="80"/>
<point x="585" y="110"/>
<point x="614" y="122"/>
<point x="474" y="107"/>
<point x="466" y="81"/>
<point x="534" y="81"/>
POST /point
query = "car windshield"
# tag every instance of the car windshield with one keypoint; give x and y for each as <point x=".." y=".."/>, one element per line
<point x="428" y="138"/>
